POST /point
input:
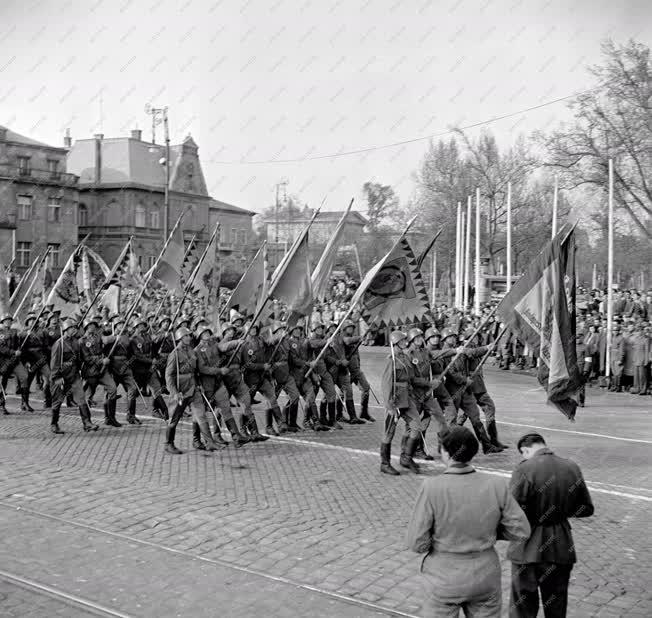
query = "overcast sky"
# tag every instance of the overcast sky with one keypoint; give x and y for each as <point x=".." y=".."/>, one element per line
<point x="259" y="81"/>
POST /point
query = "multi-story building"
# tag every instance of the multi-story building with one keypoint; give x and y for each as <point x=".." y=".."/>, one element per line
<point x="38" y="202"/>
<point x="122" y="194"/>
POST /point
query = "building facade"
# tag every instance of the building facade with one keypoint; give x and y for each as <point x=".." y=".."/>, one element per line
<point x="122" y="194"/>
<point x="38" y="202"/>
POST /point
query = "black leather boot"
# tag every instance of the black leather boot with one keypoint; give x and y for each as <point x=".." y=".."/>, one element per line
<point x="492" y="431"/>
<point x="420" y="453"/>
<point x="406" y="457"/>
<point x="131" y="413"/>
<point x="252" y="425"/>
<point x="54" y="421"/>
<point x="85" y="414"/>
<point x="364" y="408"/>
<point x="339" y="408"/>
<point x="480" y="433"/>
<point x="269" y="422"/>
<point x="320" y="422"/>
<point x="350" y="410"/>
<point x="292" y="418"/>
<point x="237" y="438"/>
<point x="170" y="434"/>
<point x="217" y="436"/>
<point x="113" y="403"/>
<point x="24" y="395"/>
<point x="332" y="415"/>
<point x="309" y="416"/>
<point x="196" y="438"/>
<point x="47" y="395"/>
<point x="386" y="460"/>
<point x="280" y="418"/>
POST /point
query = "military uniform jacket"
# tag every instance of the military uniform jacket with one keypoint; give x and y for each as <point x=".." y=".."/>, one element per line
<point x="334" y="356"/>
<point x="180" y="371"/>
<point x="141" y="352"/>
<point x="473" y="358"/>
<point x="351" y="349"/>
<point x="397" y="377"/>
<point x="8" y="345"/>
<point x="162" y="345"/>
<point x="91" y="350"/>
<point x="299" y="356"/>
<point x="208" y="364"/>
<point x="65" y="361"/>
<point x="253" y="357"/>
<point x="121" y="357"/>
<point x="420" y="378"/>
<point x="640" y="350"/>
<point x="280" y="362"/>
<point x="316" y="344"/>
<point x="33" y="347"/>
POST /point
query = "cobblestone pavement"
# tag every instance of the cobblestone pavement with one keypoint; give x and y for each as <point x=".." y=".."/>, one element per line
<point x="303" y="522"/>
<point x="19" y="602"/>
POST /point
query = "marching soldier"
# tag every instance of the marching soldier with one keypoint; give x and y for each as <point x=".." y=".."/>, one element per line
<point x="65" y="366"/>
<point x="180" y="379"/>
<point x="211" y="378"/>
<point x="323" y="379"/>
<point x="141" y="349"/>
<point x="438" y="361"/>
<point x="351" y="347"/>
<point x="10" y="363"/>
<point x="94" y="370"/>
<point x="38" y="361"/>
<point x="396" y="394"/>
<point x="616" y="358"/>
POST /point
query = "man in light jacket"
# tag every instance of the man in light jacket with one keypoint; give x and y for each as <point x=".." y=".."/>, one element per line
<point x="457" y="519"/>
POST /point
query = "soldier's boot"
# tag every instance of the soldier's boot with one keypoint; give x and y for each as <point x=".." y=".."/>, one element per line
<point x="85" y="414"/>
<point x="406" y="457"/>
<point x="619" y="388"/>
<point x="364" y="408"/>
<point x="107" y="413"/>
<point x="217" y="435"/>
<point x="162" y="407"/>
<point x="492" y="431"/>
<point x="70" y="402"/>
<point x="318" y="423"/>
<point x="196" y="437"/>
<point x="237" y="438"/>
<point x="131" y="413"/>
<point x="252" y="425"/>
<point x="386" y="460"/>
<point x="339" y="417"/>
<point x="24" y="395"/>
<point x="322" y="417"/>
<point x="244" y="427"/>
<point x="54" y="420"/>
<point x="350" y="410"/>
<point x="281" y="418"/>
<point x="310" y="414"/>
<point x="47" y="396"/>
<point x="332" y="415"/>
<point x="113" y="405"/>
<point x="420" y="453"/>
<point x="269" y="422"/>
<point x="170" y="434"/>
<point x="292" y="419"/>
<point x="211" y="445"/>
<point x="481" y="434"/>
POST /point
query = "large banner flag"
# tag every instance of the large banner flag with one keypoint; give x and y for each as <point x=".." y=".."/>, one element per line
<point x="115" y="277"/>
<point x="190" y="259"/>
<point x="540" y="310"/>
<point x="64" y="296"/>
<point x="169" y="265"/>
<point x="322" y="273"/>
<point x="5" y="296"/>
<point x="293" y="285"/>
<point x="421" y="259"/>
<point x="392" y="292"/>
<point x="204" y="281"/>
<point x="248" y="294"/>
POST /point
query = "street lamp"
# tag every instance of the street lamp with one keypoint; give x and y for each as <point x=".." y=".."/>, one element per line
<point x="160" y="114"/>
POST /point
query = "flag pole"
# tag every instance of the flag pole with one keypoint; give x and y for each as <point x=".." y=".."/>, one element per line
<point x="509" y="236"/>
<point x="150" y="274"/>
<point x="458" y="234"/>
<point x="467" y="254"/>
<point x="32" y="282"/>
<point x="476" y="297"/>
<point x="26" y="277"/>
<point x="353" y="305"/>
<point x="555" y="203"/>
<point x="610" y="269"/>
<point x="462" y="253"/>
<point x="253" y="261"/>
<point x="434" y="276"/>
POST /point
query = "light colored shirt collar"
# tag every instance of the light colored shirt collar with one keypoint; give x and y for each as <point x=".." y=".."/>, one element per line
<point x="459" y="468"/>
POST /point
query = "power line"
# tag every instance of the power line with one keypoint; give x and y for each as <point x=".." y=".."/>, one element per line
<point x="413" y="140"/>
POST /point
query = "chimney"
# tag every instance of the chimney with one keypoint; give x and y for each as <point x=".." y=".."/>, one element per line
<point x="98" y="157"/>
<point x="137" y="134"/>
<point x="67" y="140"/>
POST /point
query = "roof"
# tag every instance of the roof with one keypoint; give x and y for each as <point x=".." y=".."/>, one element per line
<point x="12" y="136"/>
<point x="218" y="205"/>
<point x="354" y="217"/>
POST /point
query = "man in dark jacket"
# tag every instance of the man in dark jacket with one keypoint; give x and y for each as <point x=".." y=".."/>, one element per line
<point x="549" y="489"/>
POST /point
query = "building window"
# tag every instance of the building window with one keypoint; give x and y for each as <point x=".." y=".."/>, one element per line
<point x="53" y="168"/>
<point x="154" y="217"/>
<point x="82" y="215"/>
<point x="24" y="207"/>
<point x="140" y="262"/>
<point x="23" y="251"/>
<point x="234" y="236"/>
<point x="23" y="166"/>
<point x="222" y="235"/>
<point x="151" y="260"/>
<point x="54" y="209"/>
<point x="53" y="256"/>
<point x="242" y="237"/>
<point x="141" y="216"/>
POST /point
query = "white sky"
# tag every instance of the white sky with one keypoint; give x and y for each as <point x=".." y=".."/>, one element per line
<point x="288" y="79"/>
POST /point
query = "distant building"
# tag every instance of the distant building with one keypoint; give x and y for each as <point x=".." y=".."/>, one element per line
<point x="122" y="194"/>
<point x="38" y="202"/>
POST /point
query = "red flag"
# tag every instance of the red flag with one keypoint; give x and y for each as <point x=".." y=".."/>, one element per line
<point x="541" y="314"/>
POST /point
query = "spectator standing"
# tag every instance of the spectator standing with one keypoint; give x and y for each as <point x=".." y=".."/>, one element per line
<point x="549" y="489"/>
<point x="457" y="518"/>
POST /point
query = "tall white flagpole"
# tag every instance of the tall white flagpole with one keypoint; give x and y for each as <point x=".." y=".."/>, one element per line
<point x="467" y="254"/>
<point x="434" y="276"/>
<point x="477" y="251"/>
<point x="458" y="260"/>
<point x="594" y="277"/>
<point x="610" y="268"/>
<point x="508" y="258"/>
<point x="555" y="203"/>
<point x="462" y="252"/>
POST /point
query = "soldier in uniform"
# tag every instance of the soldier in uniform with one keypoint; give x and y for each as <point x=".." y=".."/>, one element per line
<point x="10" y="363"/>
<point x="396" y="394"/>
<point x="120" y="366"/>
<point x="94" y="369"/>
<point x="211" y="379"/>
<point x="438" y="360"/>
<point x="640" y="359"/>
<point x="39" y="365"/>
<point x="256" y="370"/>
<point x="299" y="355"/>
<point x="351" y="347"/>
<point x="142" y="350"/>
<point x="616" y="358"/>
<point x="65" y="366"/>
<point x="323" y="379"/>
<point x="163" y="344"/>
<point x="459" y="384"/>
<point x="180" y="379"/>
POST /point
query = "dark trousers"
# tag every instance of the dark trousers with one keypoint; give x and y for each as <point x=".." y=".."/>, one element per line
<point x="548" y="578"/>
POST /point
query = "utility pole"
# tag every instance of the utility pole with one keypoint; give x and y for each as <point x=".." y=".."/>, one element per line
<point x="160" y="115"/>
<point x="283" y="183"/>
